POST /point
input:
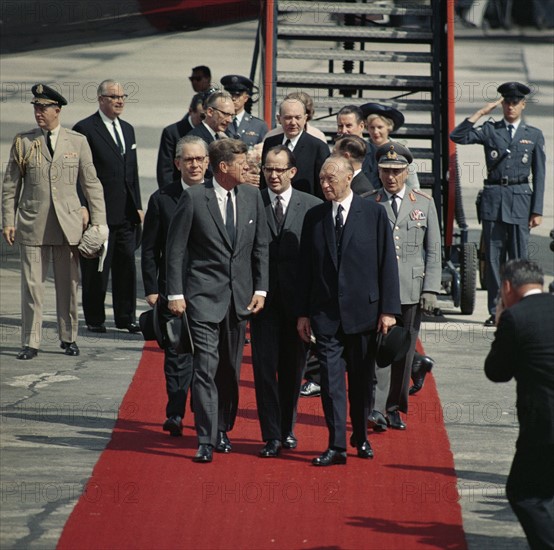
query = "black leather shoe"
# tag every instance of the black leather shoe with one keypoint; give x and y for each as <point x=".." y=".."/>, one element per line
<point x="377" y="421"/>
<point x="365" y="450"/>
<point x="310" y="389"/>
<point x="97" y="328"/>
<point x="418" y="380"/>
<point x="173" y="426"/>
<point x="271" y="449"/>
<point x="70" y="348"/>
<point x="223" y="444"/>
<point x="204" y="453"/>
<point x="27" y="353"/>
<point x="290" y="442"/>
<point x="394" y="421"/>
<point x="330" y="457"/>
<point x="490" y="322"/>
<point x="133" y="328"/>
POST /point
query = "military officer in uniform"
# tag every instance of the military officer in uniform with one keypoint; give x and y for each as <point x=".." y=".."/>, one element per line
<point x="244" y="126"/>
<point x="512" y="198"/>
<point x="42" y="213"/>
<point x="417" y="240"/>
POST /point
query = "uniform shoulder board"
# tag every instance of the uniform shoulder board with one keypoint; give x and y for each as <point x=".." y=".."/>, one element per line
<point x="73" y="132"/>
<point x="369" y="193"/>
<point x="420" y="192"/>
<point x="24" y="134"/>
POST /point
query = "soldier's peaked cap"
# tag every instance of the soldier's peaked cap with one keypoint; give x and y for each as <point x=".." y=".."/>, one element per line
<point x="44" y="95"/>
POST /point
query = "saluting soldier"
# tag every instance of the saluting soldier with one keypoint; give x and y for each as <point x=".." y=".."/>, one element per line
<point x="244" y="126"/>
<point x="42" y="213"/>
<point x="512" y="198"/>
<point x="417" y="240"/>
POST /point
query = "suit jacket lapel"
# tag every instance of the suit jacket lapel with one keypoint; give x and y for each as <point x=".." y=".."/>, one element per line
<point x="61" y="145"/>
<point x="213" y="208"/>
<point x="269" y="213"/>
<point x="43" y="147"/>
<point x="292" y="210"/>
<point x="329" y="231"/>
<point x="351" y="221"/>
<point x="406" y="206"/>
<point x="104" y="133"/>
<point x="386" y="203"/>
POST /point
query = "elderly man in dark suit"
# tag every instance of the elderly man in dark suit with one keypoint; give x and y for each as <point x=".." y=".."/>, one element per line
<point x="219" y="112"/>
<point x="191" y="157"/>
<point x="347" y="290"/>
<point x="278" y="353"/>
<point x="309" y="151"/>
<point x="42" y="213"/>
<point x="222" y="227"/>
<point x="114" y="153"/>
<point x="166" y="169"/>
<point x="523" y="349"/>
<point x="510" y="204"/>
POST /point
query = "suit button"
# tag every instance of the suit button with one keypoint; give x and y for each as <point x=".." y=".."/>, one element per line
<point x="396" y="228"/>
<point x="397" y="237"/>
<point x="398" y="258"/>
<point x="397" y="247"/>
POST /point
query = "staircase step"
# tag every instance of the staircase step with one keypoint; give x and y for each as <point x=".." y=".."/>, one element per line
<point x="403" y="104"/>
<point x="360" y="34"/>
<point x="350" y="55"/>
<point x="350" y="80"/>
<point x="328" y="9"/>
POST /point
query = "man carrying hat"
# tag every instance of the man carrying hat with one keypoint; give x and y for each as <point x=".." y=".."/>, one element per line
<point x="42" y="212"/>
<point x="417" y="240"/>
<point x="244" y="126"/>
<point x="510" y="205"/>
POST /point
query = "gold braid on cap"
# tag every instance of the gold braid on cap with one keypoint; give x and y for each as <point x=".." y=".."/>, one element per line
<point x="392" y="155"/>
<point x="23" y="160"/>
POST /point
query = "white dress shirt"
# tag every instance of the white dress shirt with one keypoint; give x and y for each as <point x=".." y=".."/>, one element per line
<point x="108" y="122"/>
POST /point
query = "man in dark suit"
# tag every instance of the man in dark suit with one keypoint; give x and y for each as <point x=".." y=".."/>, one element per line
<point x="166" y="170"/>
<point x="191" y="157"/>
<point x="510" y="205"/>
<point x="354" y="149"/>
<point x="222" y="228"/>
<point x="347" y="289"/>
<point x="219" y="111"/>
<point x="523" y="349"/>
<point x="278" y="353"/>
<point x="114" y="153"/>
<point x="309" y="151"/>
<point x="244" y="126"/>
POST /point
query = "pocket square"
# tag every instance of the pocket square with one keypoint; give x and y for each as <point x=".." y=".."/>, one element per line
<point x="134" y="146"/>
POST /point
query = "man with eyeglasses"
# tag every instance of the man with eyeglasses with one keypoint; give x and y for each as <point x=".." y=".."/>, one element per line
<point x="191" y="159"/>
<point x="310" y="152"/>
<point x="278" y="353"/>
<point x="166" y="169"/>
<point x="219" y="111"/>
<point x="201" y="79"/>
<point x="42" y="213"/>
<point x="244" y="126"/>
<point x="114" y="153"/>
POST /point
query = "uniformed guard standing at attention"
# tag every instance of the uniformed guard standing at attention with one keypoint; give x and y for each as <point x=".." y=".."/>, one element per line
<point x="512" y="198"/>
<point x="244" y="126"/>
<point x="42" y="213"/>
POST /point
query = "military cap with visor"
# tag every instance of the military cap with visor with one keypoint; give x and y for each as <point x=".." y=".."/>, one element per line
<point x="513" y="90"/>
<point x="44" y="95"/>
<point x="393" y="155"/>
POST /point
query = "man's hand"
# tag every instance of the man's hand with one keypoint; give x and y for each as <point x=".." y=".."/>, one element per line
<point x="256" y="304"/>
<point x="9" y="234"/>
<point x="151" y="299"/>
<point x="86" y="216"/>
<point x="252" y="179"/>
<point x="177" y="307"/>
<point x="304" y="329"/>
<point x="485" y="110"/>
<point x="141" y="215"/>
<point x="535" y="220"/>
<point x="428" y="302"/>
<point x="386" y="321"/>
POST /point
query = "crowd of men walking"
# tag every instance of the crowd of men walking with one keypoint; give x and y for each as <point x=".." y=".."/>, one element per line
<point x="324" y="252"/>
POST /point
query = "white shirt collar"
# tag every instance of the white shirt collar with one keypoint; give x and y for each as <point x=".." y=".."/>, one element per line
<point x="346" y="203"/>
<point x="293" y="141"/>
<point x="400" y="193"/>
<point x="532" y="291"/>
<point x="240" y="116"/>
<point x="514" y="124"/>
<point x="285" y="197"/>
<point x="209" y="129"/>
<point x="107" y="120"/>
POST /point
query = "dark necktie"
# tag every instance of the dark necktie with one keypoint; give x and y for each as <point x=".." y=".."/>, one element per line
<point x="394" y="206"/>
<point x="230" y="218"/>
<point x="511" y="131"/>
<point x="118" y="139"/>
<point x="49" y="143"/>
<point x="288" y="144"/>
<point x="235" y="126"/>
<point x="339" y="225"/>
<point x="278" y="210"/>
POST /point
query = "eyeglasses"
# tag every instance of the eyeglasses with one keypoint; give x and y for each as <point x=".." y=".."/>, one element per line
<point x="278" y="171"/>
<point x="116" y="97"/>
<point x="191" y="160"/>
<point x="224" y="113"/>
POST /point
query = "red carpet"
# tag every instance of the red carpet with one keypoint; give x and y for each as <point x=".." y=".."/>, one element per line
<point x="146" y="493"/>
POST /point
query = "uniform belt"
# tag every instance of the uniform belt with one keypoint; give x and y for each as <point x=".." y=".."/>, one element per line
<point x="506" y="181"/>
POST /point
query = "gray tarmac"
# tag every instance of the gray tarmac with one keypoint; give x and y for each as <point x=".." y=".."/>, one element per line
<point x="57" y="412"/>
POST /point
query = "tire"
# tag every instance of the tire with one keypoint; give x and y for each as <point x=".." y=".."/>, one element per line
<point x="468" y="277"/>
<point x="482" y="264"/>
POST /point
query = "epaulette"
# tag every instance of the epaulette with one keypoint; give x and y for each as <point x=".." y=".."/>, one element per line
<point x="369" y="193"/>
<point x="420" y="192"/>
